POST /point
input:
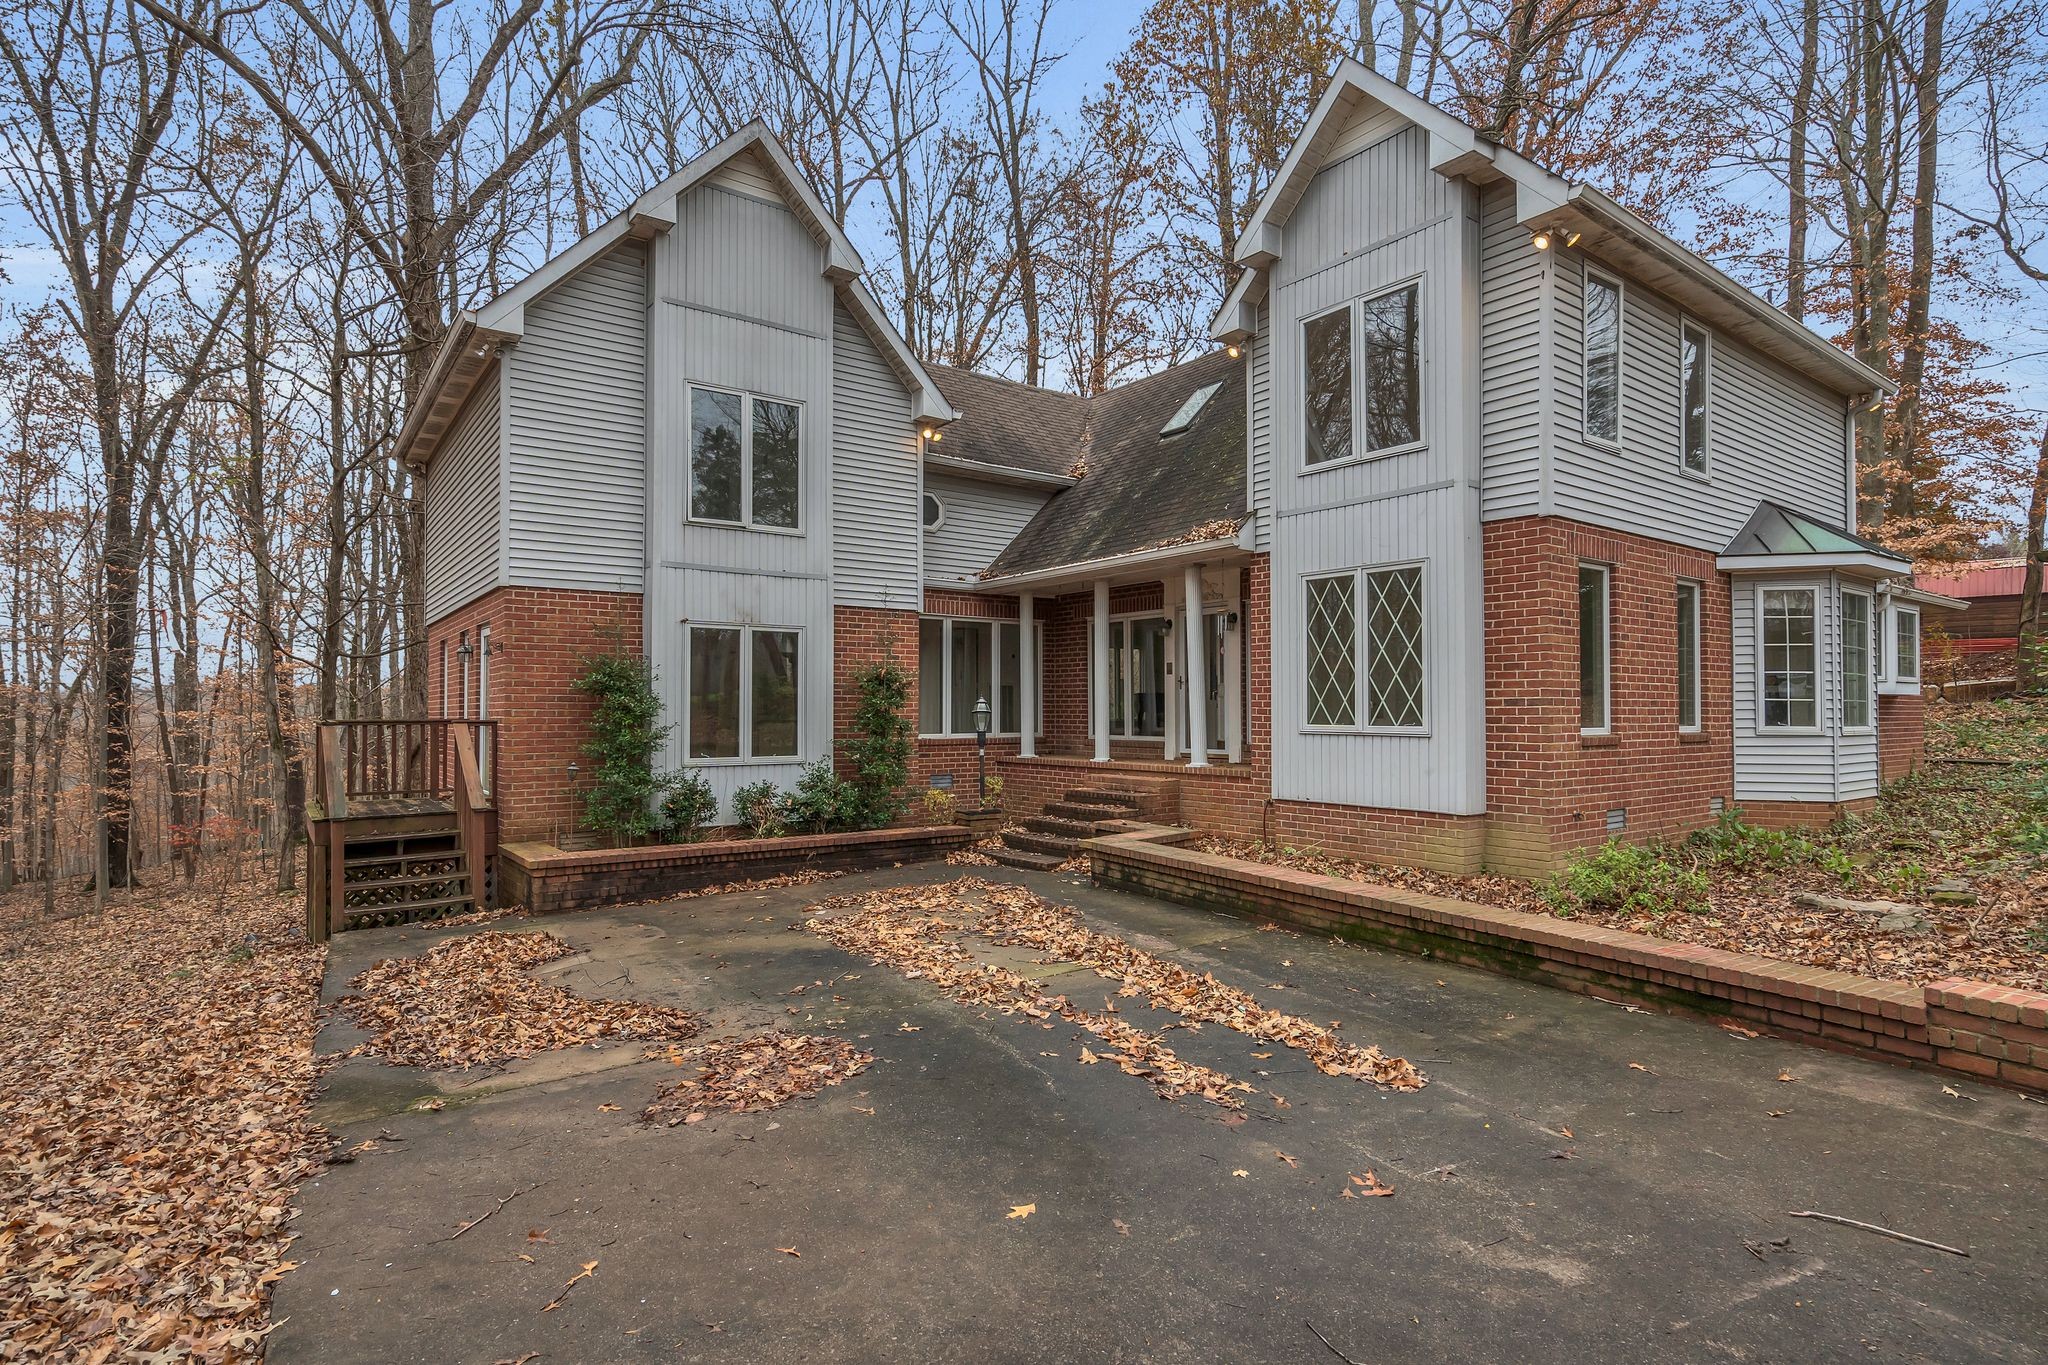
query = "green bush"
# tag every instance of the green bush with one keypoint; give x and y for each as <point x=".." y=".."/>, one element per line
<point x="1626" y="879"/>
<point x="823" y="802"/>
<point x="687" y="807"/>
<point x="1731" y="843"/>
<point x="625" y="734"/>
<point x="758" y="809"/>
<point x="879" y="750"/>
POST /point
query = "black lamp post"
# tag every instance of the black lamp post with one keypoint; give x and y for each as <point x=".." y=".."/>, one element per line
<point x="981" y="718"/>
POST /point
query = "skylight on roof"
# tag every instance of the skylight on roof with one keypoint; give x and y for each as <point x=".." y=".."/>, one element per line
<point x="1183" y="419"/>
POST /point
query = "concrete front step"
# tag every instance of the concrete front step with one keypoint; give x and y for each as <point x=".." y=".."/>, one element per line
<point x="1074" y="810"/>
<point x="1066" y="829"/>
<point x="1017" y="857"/>
<point x="1052" y="844"/>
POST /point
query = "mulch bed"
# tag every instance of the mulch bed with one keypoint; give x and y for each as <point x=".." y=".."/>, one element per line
<point x="156" y="1067"/>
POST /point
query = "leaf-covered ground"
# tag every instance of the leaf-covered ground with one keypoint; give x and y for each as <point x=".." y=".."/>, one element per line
<point x="156" y="1064"/>
<point x="748" y="1075"/>
<point x="1984" y="820"/>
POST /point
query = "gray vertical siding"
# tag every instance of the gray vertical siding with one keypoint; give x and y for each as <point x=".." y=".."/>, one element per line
<point x="462" y="533"/>
<point x="981" y="518"/>
<point x="1512" y="291"/>
<point x="576" y="415"/>
<point x="875" y="510"/>
<point x="1376" y="219"/>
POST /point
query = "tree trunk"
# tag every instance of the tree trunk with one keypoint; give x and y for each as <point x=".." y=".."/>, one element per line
<point x="1907" y="419"/>
<point x="2033" y="647"/>
<point x="1798" y="210"/>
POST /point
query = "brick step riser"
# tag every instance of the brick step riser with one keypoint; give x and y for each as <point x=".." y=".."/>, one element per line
<point x="1033" y="862"/>
<point x="1070" y="810"/>
<point x="1066" y="829"/>
<point x="1104" y="796"/>
<point x="1051" y="844"/>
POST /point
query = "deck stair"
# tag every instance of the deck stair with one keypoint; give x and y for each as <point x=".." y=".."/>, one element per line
<point x="417" y="872"/>
<point x="1042" y="842"/>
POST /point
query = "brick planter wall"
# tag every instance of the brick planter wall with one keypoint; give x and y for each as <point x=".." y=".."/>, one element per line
<point x="543" y="878"/>
<point x="1989" y="1032"/>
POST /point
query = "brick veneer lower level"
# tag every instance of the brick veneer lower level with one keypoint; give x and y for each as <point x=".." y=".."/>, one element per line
<point x="1901" y="736"/>
<point x="539" y="639"/>
<point x="1992" y="1032"/>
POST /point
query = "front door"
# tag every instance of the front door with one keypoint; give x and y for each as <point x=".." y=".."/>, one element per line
<point x="1137" y="677"/>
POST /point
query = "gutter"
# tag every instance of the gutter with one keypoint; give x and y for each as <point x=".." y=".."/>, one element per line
<point x="1110" y="566"/>
<point x="465" y="352"/>
<point x="994" y="473"/>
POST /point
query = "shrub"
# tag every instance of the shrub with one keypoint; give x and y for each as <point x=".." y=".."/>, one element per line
<point x="1628" y="879"/>
<point x="940" y="807"/>
<point x="822" y="802"/>
<point x="879" y="750"/>
<point x="625" y="734"/>
<point x="1731" y="843"/>
<point x="758" y="809"/>
<point x="687" y="808"/>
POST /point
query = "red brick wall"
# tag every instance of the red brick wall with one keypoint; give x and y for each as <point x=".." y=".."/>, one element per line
<point x="539" y="638"/>
<point x="1901" y="736"/>
<point x="1548" y="787"/>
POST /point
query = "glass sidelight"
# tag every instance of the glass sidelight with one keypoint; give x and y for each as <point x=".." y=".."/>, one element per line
<point x="1214" y="639"/>
<point x="1137" y="676"/>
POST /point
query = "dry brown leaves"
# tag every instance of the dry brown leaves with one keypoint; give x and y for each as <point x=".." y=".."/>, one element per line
<point x="746" y="1075"/>
<point x="805" y="876"/>
<point x="915" y="930"/>
<point x="156" y="1062"/>
<point x="469" y="1001"/>
<point x="975" y="854"/>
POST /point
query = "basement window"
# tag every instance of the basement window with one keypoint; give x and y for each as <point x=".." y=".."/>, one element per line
<point x="1188" y="411"/>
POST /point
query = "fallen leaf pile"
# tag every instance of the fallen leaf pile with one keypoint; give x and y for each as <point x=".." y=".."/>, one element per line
<point x="803" y="876"/>
<point x="469" y="1002"/>
<point x="1017" y="918"/>
<point x="975" y="854"/>
<point x="156" y="1063"/>
<point x="914" y="929"/>
<point x="746" y="1075"/>
<point x="902" y="928"/>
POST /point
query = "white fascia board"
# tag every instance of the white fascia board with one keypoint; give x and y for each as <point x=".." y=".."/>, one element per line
<point x="1238" y="318"/>
<point x="928" y="406"/>
<point x="992" y="473"/>
<point x="1116" y="566"/>
<point x="1921" y="597"/>
<point x="1807" y="563"/>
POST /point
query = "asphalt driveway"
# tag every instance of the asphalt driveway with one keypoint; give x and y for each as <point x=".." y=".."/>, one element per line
<point x="1577" y="1182"/>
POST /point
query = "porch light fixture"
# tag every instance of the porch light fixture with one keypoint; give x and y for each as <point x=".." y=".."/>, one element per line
<point x="1233" y="350"/>
<point x="1544" y="238"/>
<point x="465" y="651"/>
<point x="1540" y="240"/>
<point x="981" y="720"/>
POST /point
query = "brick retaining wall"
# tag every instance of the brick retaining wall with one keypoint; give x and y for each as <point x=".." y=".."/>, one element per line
<point x="1987" y="1032"/>
<point x="543" y="878"/>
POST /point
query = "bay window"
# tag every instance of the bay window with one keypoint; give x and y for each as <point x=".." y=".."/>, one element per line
<point x="961" y="661"/>
<point x="1857" y="683"/>
<point x="744" y="688"/>
<point x="1791" y="692"/>
<point x="1905" y="644"/>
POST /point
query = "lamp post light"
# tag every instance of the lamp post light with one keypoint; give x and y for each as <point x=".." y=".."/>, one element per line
<point x="981" y="719"/>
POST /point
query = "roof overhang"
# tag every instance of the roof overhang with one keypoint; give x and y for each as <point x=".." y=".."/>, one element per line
<point x="992" y="473"/>
<point x="1906" y="592"/>
<point x="1858" y="562"/>
<point x="465" y="356"/>
<point x="1133" y="566"/>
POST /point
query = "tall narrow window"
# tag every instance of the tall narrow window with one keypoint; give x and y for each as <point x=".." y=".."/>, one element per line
<point x="714" y="692"/>
<point x="1326" y="352"/>
<point x="1790" y="670"/>
<point x="1331" y="642"/>
<point x="773" y="725"/>
<point x="1593" y="690"/>
<point x="1906" y="647"/>
<point x="1692" y="397"/>
<point x="483" y="672"/>
<point x="1009" y="670"/>
<point x="1688" y="656"/>
<point x="971" y="673"/>
<point x="1603" y="360"/>
<point x="1393" y="370"/>
<point x="715" y="480"/>
<point x="1856" y="682"/>
<point x="931" y="676"/>
<point x="1393" y="631"/>
<point x="775" y="464"/>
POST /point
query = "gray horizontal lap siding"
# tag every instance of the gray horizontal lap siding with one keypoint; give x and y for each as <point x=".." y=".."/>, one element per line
<point x="462" y="540"/>
<point x="980" y="519"/>
<point x="577" y="419"/>
<point x="875" y="513"/>
<point x="1511" y="361"/>
<point x="1259" y="431"/>
<point x="1774" y="766"/>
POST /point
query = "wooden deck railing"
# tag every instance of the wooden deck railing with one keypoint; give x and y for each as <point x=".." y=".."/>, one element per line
<point x="397" y="759"/>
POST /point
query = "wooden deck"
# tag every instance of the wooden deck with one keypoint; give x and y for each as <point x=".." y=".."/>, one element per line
<point x="385" y="807"/>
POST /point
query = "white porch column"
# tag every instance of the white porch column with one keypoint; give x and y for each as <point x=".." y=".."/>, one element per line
<point x="1027" y="686"/>
<point x="1098" y="662"/>
<point x="1169" y="685"/>
<point x="1198" y="671"/>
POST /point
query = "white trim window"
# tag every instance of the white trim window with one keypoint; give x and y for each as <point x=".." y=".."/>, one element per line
<point x="964" y="659"/>
<point x="746" y="459"/>
<point x="934" y="511"/>
<point x="1905" y="645"/>
<point x="1688" y="604"/>
<point x="742" y="699"/>
<point x="1788" y="630"/>
<point x="1695" y="396"/>
<point x="1376" y="672"/>
<point x="1596" y="591"/>
<point x="1602" y="331"/>
<point x="1859" y="687"/>
<point x="1385" y="331"/>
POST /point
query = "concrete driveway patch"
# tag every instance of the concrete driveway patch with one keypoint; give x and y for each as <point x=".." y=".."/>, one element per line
<point x="1553" y="1201"/>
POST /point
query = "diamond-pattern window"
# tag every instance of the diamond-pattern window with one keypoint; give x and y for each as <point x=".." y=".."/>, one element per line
<point x="1332" y="643"/>
<point x="1393" y="624"/>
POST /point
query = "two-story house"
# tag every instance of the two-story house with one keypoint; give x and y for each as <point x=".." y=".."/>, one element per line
<point x="1496" y="524"/>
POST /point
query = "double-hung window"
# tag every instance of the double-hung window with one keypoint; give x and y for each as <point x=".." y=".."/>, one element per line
<point x="1373" y="406"/>
<point x="1695" y="353"/>
<point x="1905" y="644"/>
<point x="745" y="687"/>
<point x="1858" y="686"/>
<point x="746" y="459"/>
<point x="1688" y="656"/>
<point x="1362" y="650"/>
<point x="1603" y="359"/>
<point x="961" y="661"/>
<point x="1791" y="658"/>
<point x="1595" y="590"/>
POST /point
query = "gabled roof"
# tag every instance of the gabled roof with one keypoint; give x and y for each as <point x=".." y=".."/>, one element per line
<point x="1543" y="199"/>
<point x="1143" y="490"/>
<point x="472" y="342"/>
<point x="1777" y="537"/>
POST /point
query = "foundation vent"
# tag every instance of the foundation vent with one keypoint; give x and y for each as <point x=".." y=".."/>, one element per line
<point x="1617" y="820"/>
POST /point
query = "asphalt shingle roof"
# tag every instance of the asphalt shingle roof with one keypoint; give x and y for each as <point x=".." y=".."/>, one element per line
<point x="1141" y="489"/>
